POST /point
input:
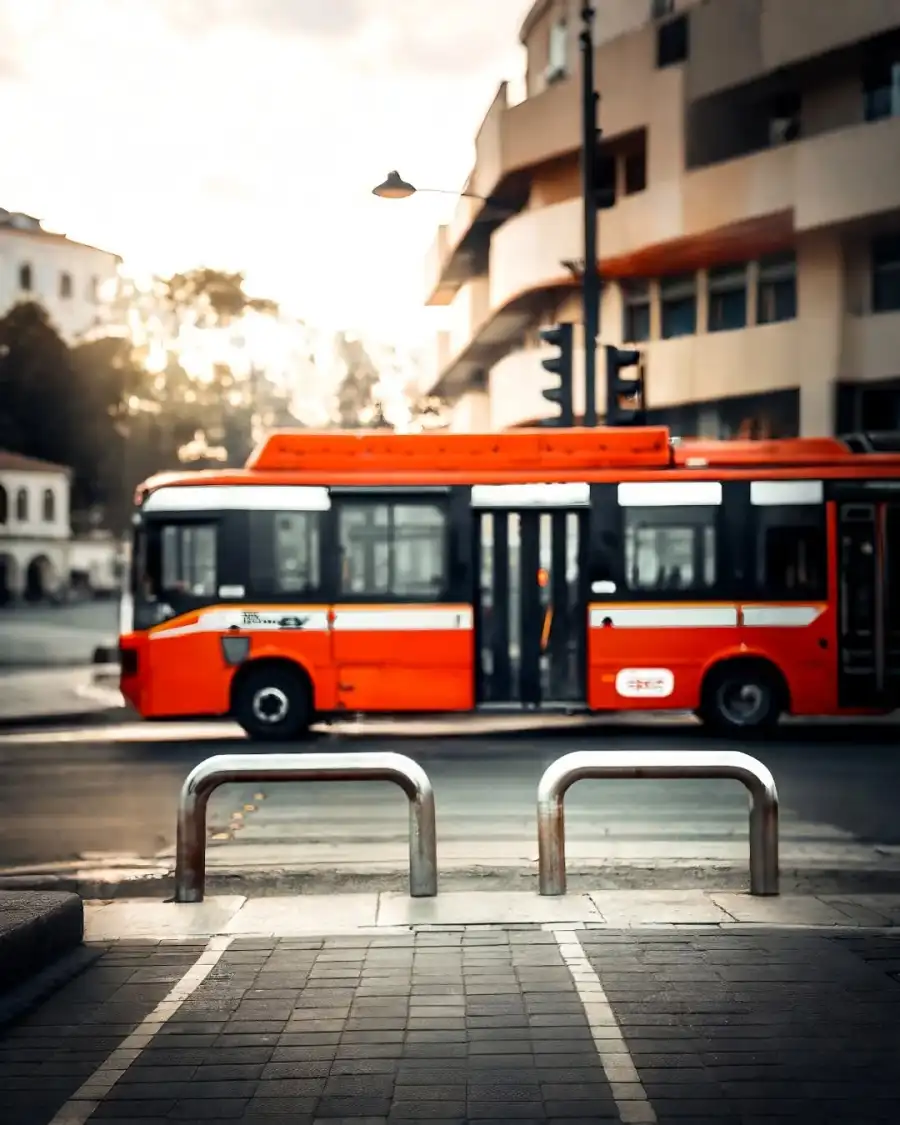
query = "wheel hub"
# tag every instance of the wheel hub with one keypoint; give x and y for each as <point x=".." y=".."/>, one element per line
<point x="742" y="704"/>
<point x="270" y="705"/>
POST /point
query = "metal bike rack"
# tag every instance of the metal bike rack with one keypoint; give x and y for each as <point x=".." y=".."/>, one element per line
<point x="190" y="856"/>
<point x="657" y="764"/>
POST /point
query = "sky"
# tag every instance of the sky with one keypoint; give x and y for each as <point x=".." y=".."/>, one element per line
<point x="248" y="134"/>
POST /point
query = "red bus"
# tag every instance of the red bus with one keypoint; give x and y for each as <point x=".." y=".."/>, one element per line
<point x="597" y="570"/>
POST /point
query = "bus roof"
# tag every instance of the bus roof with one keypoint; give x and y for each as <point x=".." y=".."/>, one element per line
<point x="383" y="455"/>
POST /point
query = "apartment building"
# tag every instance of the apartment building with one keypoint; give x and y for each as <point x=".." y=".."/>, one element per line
<point x="749" y="217"/>
<point x="66" y="277"/>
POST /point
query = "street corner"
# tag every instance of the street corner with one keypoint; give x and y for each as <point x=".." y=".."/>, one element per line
<point x="36" y="929"/>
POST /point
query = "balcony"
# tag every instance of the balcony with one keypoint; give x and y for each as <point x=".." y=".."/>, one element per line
<point x="689" y="369"/>
<point x="470" y="309"/>
<point x="514" y="139"/>
<point x="848" y="175"/>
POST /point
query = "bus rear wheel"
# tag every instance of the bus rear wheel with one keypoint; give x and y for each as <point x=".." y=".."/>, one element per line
<point x="742" y="698"/>
<point x="273" y="703"/>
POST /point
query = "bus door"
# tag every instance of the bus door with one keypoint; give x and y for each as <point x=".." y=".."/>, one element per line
<point x="869" y="602"/>
<point x="530" y="606"/>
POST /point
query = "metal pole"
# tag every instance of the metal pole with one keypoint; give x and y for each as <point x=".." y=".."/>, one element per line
<point x="658" y="764"/>
<point x="190" y="853"/>
<point x="591" y="280"/>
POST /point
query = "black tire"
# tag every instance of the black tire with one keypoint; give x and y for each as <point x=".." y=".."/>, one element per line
<point x="273" y="703"/>
<point x="742" y="699"/>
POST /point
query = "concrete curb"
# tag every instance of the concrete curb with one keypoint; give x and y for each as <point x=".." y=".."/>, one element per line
<point x="100" y="717"/>
<point x="36" y="929"/>
<point x="157" y="882"/>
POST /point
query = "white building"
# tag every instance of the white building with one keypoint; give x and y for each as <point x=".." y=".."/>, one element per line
<point x="34" y="527"/>
<point x="65" y="277"/>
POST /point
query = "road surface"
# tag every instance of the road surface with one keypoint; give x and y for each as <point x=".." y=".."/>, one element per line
<point x="107" y="796"/>
<point x="48" y="636"/>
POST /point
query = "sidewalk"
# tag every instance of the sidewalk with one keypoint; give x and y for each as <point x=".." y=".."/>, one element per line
<point x="55" y="696"/>
<point x="575" y="1023"/>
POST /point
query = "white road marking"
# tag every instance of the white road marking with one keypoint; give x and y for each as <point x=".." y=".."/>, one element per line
<point x="627" y="1089"/>
<point x="85" y="1100"/>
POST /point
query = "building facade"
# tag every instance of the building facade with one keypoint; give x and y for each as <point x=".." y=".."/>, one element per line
<point x="749" y="217"/>
<point x="67" y="278"/>
<point x="35" y="529"/>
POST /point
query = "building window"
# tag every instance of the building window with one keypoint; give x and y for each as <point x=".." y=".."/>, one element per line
<point x="49" y="505"/>
<point x="94" y="289"/>
<point x="727" y="298"/>
<point x="777" y="290"/>
<point x="393" y="550"/>
<point x="785" y="118"/>
<point x="4" y="506"/>
<point x="635" y="311"/>
<point x="886" y="273"/>
<point x="881" y="87"/>
<point x="678" y="299"/>
<point x="670" y="549"/>
<point x="285" y="552"/>
<point x="26" y="280"/>
<point x="558" y="51"/>
<point x="635" y="168"/>
<point x="22" y="506"/>
<point x="672" y="42"/>
<point x="65" y="285"/>
<point x="189" y="560"/>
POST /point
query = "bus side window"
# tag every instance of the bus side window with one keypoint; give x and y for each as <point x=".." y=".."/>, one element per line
<point x="791" y="554"/>
<point x="670" y="549"/>
<point x="285" y="551"/>
<point x="397" y="550"/>
<point x="188" y="562"/>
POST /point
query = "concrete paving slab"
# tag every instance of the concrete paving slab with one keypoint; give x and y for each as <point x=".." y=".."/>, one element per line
<point x="109" y="921"/>
<point x="36" y="928"/>
<point x="304" y="914"/>
<point x="783" y="910"/>
<point x="472" y="907"/>
<point x="867" y="910"/>
<point x="647" y="908"/>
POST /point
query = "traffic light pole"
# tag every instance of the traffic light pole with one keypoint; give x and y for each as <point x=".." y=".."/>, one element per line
<point x="591" y="278"/>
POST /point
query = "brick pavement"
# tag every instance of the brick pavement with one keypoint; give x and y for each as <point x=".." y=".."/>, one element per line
<point x="469" y="1024"/>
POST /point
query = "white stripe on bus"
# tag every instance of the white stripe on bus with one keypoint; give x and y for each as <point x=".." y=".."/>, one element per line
<point x="556" y="495"/>
<point x="669" y="494"/>
<point x="303" y="619"/>
<point x="401" y="619"/>
<point x="704" y="617"/>
<point x="262" y="620"/>
<point x="796" y="616"/>
<point x="774" y="493"/>
<point x="241" y="497"/>
<point x="664" y="617"/>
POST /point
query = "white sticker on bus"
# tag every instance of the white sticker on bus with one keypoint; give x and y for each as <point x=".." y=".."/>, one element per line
<point x="645" y="683"/>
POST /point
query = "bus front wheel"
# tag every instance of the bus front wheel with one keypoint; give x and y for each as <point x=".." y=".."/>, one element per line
<point x="743" y="698"/>
<point x="272" y="702"/>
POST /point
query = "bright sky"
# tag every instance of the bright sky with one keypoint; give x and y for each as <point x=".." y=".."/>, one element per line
<point x="247" y="134"/>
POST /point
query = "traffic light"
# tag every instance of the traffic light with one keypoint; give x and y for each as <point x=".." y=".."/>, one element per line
<point x="560" y="365"/>
<point x="631" y="412"/>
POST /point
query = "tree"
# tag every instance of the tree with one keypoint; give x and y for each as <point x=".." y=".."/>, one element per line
<point x="213" y="297"/>
<point x="356" y="402"/>
<point x="41" y="413"/>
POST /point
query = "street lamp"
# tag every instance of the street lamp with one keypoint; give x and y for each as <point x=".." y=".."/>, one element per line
<point x="395" y="187"/>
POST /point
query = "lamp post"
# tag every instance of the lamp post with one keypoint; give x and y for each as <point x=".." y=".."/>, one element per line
<point x="590" y="134"/>
<point x="395" y="187"/>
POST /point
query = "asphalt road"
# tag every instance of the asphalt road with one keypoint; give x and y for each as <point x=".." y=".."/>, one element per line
<point x="88" y="797"/>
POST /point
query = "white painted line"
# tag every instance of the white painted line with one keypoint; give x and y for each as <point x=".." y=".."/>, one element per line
<point x="85" y="1100"/>
<point x="627" y="1089"/>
